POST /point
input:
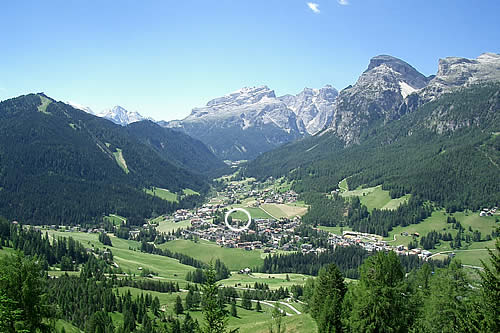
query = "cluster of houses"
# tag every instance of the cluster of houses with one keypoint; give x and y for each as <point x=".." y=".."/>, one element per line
<point x="235" y="192"/>
<point x="372" y="243"/>
<point x="488" y="211"/>
<point x="269" y="231"/>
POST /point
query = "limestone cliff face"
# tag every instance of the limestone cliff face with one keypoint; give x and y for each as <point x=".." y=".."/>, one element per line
<point x="376" y="97"/>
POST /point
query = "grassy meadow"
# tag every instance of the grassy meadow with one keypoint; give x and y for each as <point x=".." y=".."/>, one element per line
<point x="376" y="197"/>
<point x="235" y="259"/>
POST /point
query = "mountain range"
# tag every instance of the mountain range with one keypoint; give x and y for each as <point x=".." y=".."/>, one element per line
<point x="253" y="120"/>
<point x="61" y="165"/>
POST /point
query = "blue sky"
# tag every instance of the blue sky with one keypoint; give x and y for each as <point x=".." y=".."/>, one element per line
<point x="162" y="58"/>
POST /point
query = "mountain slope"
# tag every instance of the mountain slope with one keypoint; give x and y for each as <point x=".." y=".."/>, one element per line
<point x="177" y="147"/>
<point x="62" y="165"/>
<point x="446" y="151"/>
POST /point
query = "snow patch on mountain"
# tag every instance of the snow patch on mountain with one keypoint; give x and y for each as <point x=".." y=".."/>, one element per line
<point x="406" y="89"/>
<point x="121" y="116"/>
<point x="81" y="107"/>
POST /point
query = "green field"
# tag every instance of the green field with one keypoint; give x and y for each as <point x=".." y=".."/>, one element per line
<point x="376" y="197"/>
<point x="169" y="225"/>
<point x="235" y="259"/>
<point x="6" y="251"/>
<point x="256" y="213"/>
<point x="273" y="280"/>
<point x="45" y="103"/>
<point x="120" y="160"/>
<point x="334" y="230"/>
<point x="130" y="260"/>
<point x="165" y="194"/>
<point x="188" y="191"/>
<point x="162" y="194"/>
<point x="437" y="222"/>
<point x="69" y="328"/>
<point x="283" y="210"/>
<point x="343" y="187"/>
<point x="115" y="219"/>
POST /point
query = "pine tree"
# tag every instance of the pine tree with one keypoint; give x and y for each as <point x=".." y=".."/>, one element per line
<point x="213" y="311"/>
<point x="258" y="307"/>
<point x="155" y="306"/>
<point x="179" y="309"/>
<point x="328" y="295"/>
<point x="378" y="303"/>
<point x="189" y="300"/>
<point x="234" y="312"/>
<point x="490" y="280"/>
<point x="246" y="301"/>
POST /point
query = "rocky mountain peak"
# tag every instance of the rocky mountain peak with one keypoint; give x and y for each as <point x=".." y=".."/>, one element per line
<point x="408" y="73"/>
<point x="121" y="116"/>
<point x="244" y="95"/>
<point x="456" y="72"/>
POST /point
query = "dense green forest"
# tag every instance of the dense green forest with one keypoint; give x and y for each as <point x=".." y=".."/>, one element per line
<point x="64" y="166"/>
<point x="447" y="152"/>
<point x="424" y="300"/>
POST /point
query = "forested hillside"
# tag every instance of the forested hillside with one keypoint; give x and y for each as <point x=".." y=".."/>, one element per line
<point x="61" y="165"/>
<point x="447" y="151"/>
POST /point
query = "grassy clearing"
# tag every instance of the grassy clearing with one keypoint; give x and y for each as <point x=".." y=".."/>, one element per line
<point x="334" y="230"/>
<point x="376" y="197"/>
<point x="273" y="280"/>
<point x="115" y="219"/>
<point x="68" y="328"/>
<point x="6" y="251"/>
<point x="162" y="194"/>
<point x="120" y="160"/>
<point x="235" y="259"/>
<point x="188" y="191"/>
<point x="395" y="203"/>
<point x="169" y="225"/>
<point x="283" y="210"/>
<point x="130" y="260"/>
<point x="343" y="185"/>
<point x="45" y="103"/>
<point x="256" y="213"/>
<point x="437" y="222"/>
<point x="472" y="257"/>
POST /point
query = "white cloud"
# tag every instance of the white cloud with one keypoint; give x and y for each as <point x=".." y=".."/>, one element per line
<point x="343" y="2"/>
<point x="314" y="7"/>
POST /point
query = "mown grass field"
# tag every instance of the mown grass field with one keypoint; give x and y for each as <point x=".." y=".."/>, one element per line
<point x="376" y="197"/>
<point x="284" y="210"/>
<point x="235" y="259"/>
<point x="334" y="230"/>
<point x="115" y="219"/>
<point x="169" y="225"/>
<point x="273" y="280"/>
<point x="256" y="213"/>
<point x="162" y="194"/>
